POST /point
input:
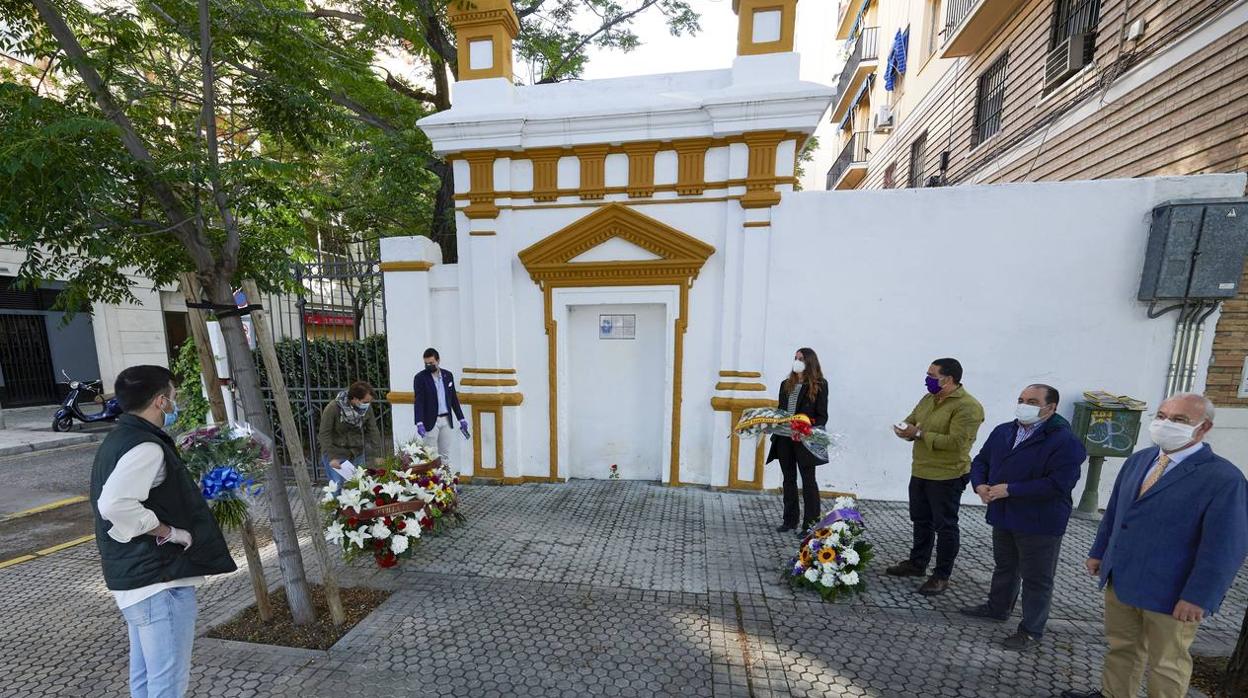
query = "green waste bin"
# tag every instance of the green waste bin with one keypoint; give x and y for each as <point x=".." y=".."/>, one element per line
<point x="1106" y="433"/>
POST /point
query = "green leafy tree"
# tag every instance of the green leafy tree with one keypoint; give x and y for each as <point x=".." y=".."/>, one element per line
<point x="555" y="36"/>
<point x="146" y="157"/>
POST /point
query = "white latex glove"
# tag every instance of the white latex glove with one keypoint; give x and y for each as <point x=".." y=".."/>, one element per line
<point x="176" y="535"/>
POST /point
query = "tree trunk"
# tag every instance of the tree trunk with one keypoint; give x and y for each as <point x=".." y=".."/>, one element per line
<point x="251" y="402"/>
<point x="216" y="403"/>
<point x="1235" y="680"/>
<point x="294" y="446"/>
<point x="442" y="230"/>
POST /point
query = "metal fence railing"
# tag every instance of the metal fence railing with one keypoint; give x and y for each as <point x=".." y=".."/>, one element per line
<point x="329" y="334"/>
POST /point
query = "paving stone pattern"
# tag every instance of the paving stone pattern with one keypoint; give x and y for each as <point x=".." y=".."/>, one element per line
<point x="595" y="589"/>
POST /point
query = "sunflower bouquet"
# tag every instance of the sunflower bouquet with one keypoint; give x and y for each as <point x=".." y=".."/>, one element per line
<point x="384" y="511"/>
<point x="833" y="555"/>
<point x="772" y="421"/>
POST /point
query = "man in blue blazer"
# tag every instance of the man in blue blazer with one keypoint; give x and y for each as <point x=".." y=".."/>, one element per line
<point x="1174" y="535"/>
<point x="436" y="404"/>
<point x="1025" y="473"/>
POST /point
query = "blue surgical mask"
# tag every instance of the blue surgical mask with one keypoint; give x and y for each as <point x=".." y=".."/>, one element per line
<point x="171" y="417"/>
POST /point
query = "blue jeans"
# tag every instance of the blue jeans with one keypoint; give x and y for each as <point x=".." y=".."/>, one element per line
<point x="162" y="631"/>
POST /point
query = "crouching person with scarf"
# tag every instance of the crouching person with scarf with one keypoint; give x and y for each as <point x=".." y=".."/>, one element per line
<point x="156" y="536"/>
<point x="348" y="430"/>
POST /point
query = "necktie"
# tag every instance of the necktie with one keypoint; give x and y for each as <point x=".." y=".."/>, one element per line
<point x="1155" y="474"/>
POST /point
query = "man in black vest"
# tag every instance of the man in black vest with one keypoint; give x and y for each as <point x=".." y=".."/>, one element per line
<point x="156" y="536"/>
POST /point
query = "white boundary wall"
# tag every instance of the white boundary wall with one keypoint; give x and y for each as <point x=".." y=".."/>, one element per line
<point x="1022" y="283"/>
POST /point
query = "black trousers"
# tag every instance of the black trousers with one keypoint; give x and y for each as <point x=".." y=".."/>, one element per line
<point x="1033" y="559"/>
<point x="792" y="461"/>
<point x="934" y="512"/>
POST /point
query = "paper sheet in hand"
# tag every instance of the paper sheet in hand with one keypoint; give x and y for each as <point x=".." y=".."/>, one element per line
<point x="346" y="469"/>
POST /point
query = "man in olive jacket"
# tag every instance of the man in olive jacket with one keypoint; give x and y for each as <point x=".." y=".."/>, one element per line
<point x="942" y="427"/>
<point x="156" y="536"/>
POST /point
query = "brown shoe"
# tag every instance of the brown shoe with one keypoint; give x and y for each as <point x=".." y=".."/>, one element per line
<point x="934" y="586"/>
<point x="906" y="568"/>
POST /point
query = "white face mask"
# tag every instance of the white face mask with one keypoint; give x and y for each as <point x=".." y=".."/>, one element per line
<point x="1171" y="436"/>
<point x="1027" y="414"/>
<point x="799" y="366"/>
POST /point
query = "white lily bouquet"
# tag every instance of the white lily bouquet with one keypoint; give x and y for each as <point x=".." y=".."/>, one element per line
<point x="384" y="511"/>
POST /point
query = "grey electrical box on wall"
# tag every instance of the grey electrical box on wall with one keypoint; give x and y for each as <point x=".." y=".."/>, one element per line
<point x="1195" y="250"/>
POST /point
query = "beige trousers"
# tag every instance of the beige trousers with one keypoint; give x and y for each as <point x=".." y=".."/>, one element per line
<point x="1137" y="636"/>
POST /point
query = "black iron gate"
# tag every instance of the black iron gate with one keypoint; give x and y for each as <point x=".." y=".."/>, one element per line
<point x="329" y="335"/>
<point x="26" y="361"/>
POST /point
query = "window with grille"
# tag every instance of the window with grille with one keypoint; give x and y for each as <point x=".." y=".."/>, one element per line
<point x="990" y="100"/>
<point x="918" y="155"/>
<point x="1072" y="17"/>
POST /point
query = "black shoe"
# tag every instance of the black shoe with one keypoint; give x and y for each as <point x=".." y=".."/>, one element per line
<point x="983" y="611"/>
<point x="1077" y="694"/>
<point x="934" y="586"/>
<point x="1021" y="641"/>
<point x="801" y="533"/>
<point x="906" y="568"/>
<point x="784" y="528"/>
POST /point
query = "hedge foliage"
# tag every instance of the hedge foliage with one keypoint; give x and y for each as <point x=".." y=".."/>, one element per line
<point x="333" y="365"/>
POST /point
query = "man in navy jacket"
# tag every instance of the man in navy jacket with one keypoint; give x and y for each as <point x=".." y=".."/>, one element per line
<point x="1174" y="536"/>
<point x="1025" y="473"/>
<point x="437" y="404"/>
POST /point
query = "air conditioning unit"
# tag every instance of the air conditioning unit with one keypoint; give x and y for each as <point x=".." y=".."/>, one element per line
<point x="1068" y="58"/>
<point x="882" y="120"/>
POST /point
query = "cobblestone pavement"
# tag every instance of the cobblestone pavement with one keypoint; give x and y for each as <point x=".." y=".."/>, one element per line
<point x="595" y="589"/>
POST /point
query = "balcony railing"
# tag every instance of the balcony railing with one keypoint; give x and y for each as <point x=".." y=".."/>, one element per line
<point x="956" y="12"/>
<point x="853" y="156"/>
<point x="971" y="24"/>
<point x="863" y="48"/>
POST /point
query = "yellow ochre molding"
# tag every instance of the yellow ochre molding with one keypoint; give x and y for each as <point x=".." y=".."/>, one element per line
<point x="746" y="9"/>
<point x="488" y="382"/>
<point x="481" y="186"/>
<point x="546" y="173"/>
<point x="491" y="399"/>
<point x="728" y="404"/>
<point x="757" y="224"/>
<point x="494" y="21"/>
<point x="593" y="171"/>
<point x="406" y="266"/>
<point x="400" y="397"/>
<point x="641" y="168"/>
<point x="491" y="371"/>
<point x="482" y="233"/>
<point x="740" y="374"/>
<point x="740" y="386"/>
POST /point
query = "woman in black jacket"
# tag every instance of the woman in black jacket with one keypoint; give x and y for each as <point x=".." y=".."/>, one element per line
<point x="804" y="392"/>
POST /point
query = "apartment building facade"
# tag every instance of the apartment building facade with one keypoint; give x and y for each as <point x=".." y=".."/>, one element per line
<point x="938" y="92"/>
<point x="953" y="92"/>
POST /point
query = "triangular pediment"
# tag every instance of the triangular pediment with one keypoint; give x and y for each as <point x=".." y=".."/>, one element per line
<point x="615" y="249"/>
<point x="616" y="241"/>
